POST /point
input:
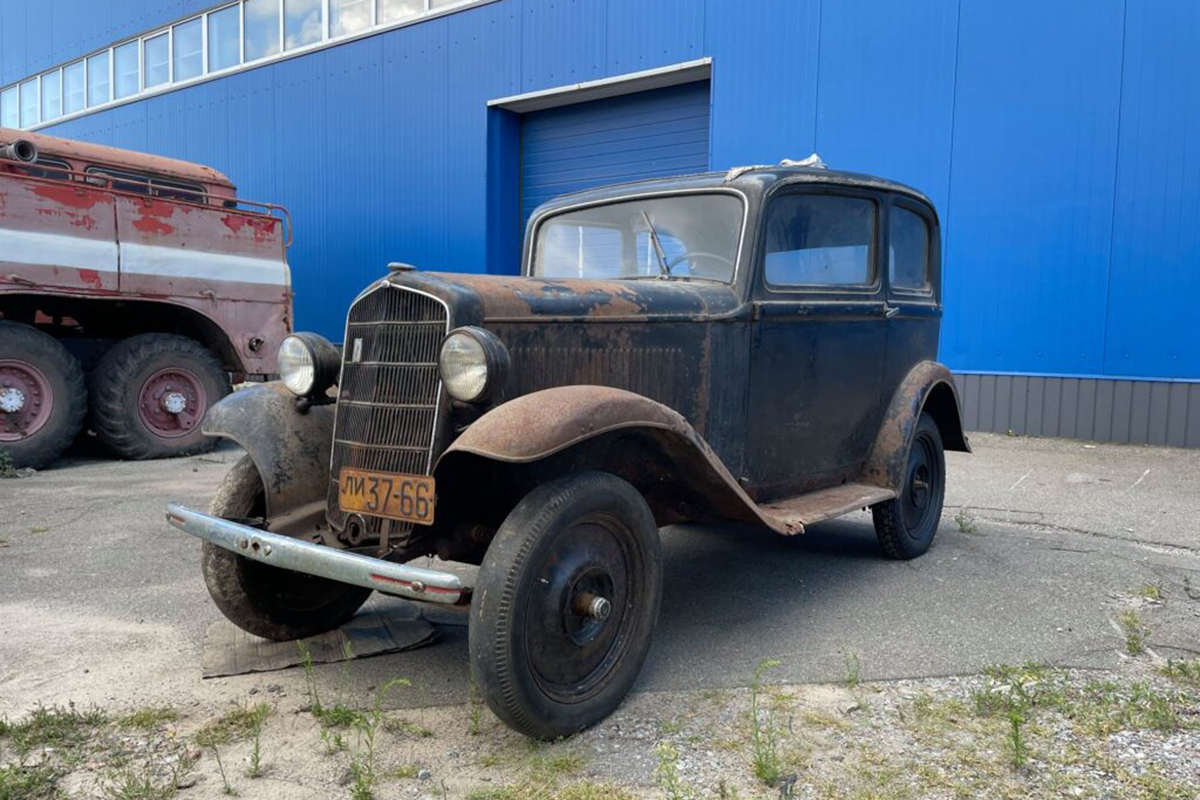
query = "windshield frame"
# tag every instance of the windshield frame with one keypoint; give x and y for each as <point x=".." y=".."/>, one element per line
<point x="536" y="230"/>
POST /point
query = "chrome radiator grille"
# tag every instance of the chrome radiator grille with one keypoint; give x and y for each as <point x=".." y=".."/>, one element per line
<point x="388" y="396"/>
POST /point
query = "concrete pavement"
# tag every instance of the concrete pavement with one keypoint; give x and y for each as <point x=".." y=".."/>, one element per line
<point x="102" y="602"/>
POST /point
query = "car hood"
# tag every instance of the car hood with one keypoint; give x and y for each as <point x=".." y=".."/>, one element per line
<point x="510" y="298"/>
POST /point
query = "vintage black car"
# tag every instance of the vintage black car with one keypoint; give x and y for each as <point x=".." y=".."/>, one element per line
<point x="754" y="346"/>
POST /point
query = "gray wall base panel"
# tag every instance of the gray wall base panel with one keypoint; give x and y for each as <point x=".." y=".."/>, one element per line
<point x="1095" y="409"/>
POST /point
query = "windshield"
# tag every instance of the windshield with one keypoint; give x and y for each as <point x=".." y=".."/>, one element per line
<point x="684" y="236"/>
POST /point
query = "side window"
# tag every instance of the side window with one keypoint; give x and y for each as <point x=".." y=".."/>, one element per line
<point x="146" y="184"/>
<point x="819" y="240"/>
<point x="908" y="250"/>
<point x="49" y="168"/>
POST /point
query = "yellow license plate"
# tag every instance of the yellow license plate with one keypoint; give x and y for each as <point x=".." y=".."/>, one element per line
<point x="409" y="498"/>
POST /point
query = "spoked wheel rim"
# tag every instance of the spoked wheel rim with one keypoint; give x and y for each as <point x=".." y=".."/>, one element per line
<point x="923" y="485"/>
<point x="172" y="403"/>
<point x="26" y="400"/>
<point x="582" y="610"/>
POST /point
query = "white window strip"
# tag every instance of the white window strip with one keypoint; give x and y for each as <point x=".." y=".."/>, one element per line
<point x="377" y="25"/>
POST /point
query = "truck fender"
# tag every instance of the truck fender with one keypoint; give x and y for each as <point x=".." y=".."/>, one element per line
<point x="290" y="448"/>
<point x="929" y="387"/>
<point x="681" y="476"/>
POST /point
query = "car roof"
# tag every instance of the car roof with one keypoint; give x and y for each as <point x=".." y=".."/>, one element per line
<point x="755" y="179"/>
<point x="102" y="155"/>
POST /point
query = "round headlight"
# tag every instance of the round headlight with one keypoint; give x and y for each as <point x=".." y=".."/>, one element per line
<point x="308" y="364"/>
<point x="472" y="362"/>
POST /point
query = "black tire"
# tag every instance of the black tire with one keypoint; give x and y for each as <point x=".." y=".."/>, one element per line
<point x="23" y="347"/>
<point x="545" y="669"/>
<point x="273" y="603"/>
<point x="906" y="525"/>
<point x="128" y="367"/>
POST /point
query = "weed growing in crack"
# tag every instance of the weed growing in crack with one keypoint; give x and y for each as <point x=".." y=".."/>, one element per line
<point x="366" y="727"/>
<point x="1016" y="739"/>
<point x="853" y="669"/>
<point x="666" y="774"/>
<point x="1135" y="632"/>
<point x="764" y="734"/>
<point x="476" y="704"/>
<point x="1182" y="671"/>
<point x="964" y="521"/>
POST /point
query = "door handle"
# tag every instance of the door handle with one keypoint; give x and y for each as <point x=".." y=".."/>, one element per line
<point x="890" y="311"/>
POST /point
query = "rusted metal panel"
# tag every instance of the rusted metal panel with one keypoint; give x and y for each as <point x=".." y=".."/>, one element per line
<point x="56" y="235"/>
<point x="926" y="380"/>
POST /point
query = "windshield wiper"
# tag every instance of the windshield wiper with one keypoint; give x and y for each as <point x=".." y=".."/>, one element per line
<point x="664" y="270"/>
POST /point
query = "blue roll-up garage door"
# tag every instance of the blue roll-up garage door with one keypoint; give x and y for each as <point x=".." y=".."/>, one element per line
<point x="629" y="137"/>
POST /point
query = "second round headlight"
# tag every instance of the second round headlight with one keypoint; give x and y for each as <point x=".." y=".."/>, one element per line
<point x="472" y="363"/>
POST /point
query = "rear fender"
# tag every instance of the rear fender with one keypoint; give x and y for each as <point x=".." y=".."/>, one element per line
<point x="927" y="387"/>
<point x="291" y="449"/>
<point x="598" y="427"/>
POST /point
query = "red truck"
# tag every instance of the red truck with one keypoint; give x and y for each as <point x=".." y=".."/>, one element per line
<point x="133" y="290"/>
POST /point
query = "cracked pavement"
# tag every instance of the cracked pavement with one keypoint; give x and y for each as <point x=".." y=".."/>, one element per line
<point x="1043" y="543"/>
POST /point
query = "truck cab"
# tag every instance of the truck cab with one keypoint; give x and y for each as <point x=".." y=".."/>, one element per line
<point x="145" y="275"/>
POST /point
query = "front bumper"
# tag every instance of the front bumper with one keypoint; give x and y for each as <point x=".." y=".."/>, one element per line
<point x="415" y="583"/>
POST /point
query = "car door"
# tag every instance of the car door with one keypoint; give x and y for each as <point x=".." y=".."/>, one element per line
<point x="818" y="340"/>
<point x="913" y="289"/>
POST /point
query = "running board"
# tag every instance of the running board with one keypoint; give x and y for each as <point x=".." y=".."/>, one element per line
<point x="415" y="583"/>
<point x="811" y="507"/>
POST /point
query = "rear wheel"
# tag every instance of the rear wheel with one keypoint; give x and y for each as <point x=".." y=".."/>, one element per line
<point x="42" y="396"/>
<point x="565" y="605"/>
<point x="273" y="603"/>
<point x="906" y="525"/>
<point x="150" y="393"/>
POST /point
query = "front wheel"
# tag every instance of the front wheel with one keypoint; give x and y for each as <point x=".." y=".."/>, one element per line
<point x="906" y="525"/>
<point x="565" y="604"/>
<point x="273" y="603"/>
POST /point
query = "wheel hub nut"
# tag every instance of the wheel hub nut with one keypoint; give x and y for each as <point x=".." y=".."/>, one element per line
<point x="594" y="606"/>
<point x="12" y="400"/>
<point x="174" y="402"/>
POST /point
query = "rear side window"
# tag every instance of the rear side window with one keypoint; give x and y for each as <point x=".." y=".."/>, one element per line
<point x="150" y="184"/>
<point x="908" y="250"/>
<point x="819" y="240"/>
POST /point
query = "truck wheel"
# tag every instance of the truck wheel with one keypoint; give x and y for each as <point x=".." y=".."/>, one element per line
<point x="565" y="604"/>
<point x="150" y="393"/>
<point x="273" y="603"/>
<point x="906" y="525"/>
<point x="42" y="396"/>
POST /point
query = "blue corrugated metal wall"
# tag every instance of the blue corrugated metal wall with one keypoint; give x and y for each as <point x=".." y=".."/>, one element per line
<point x="1053" y="137"/>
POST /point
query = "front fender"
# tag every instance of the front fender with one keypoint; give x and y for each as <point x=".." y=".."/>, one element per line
<point x="291" y="449"/>
<point x="928" y="386"/>
<point x="542" y="424"/>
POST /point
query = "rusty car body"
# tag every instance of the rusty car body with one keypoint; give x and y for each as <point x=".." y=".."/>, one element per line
<point x="100" y="245"/>
<point x="754" y="346"/>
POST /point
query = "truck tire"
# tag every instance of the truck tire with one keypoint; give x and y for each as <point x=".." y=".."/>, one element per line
<point x="273" y="603"/>
<point x="150" y="393"/>
<point x="43" y="396"/>
<point x="905" y="526"/>
<point x="565" y="605"/>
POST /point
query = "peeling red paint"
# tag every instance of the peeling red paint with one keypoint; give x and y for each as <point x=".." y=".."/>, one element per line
<point x="157" y="208"/>
<point x="85" y="221"/>
<point x="152" y="225"/>
<point x="67" y="195"/>
<point x="233" y="222"/>
<point x="92" y="278"/>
